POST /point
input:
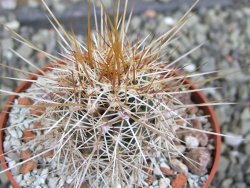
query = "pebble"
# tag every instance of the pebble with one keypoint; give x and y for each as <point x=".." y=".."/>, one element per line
<point x="50" y="153"/>
<point x="14" y="25"/>
<point x="192" y="110"/>
<point x="18" y="178"/>
<point x="16" y="133"/>
<point x="40" y="180"/>
<point x="52" y="182"/>
<point x="202" y="157"/>
<point x="25" y="125"/>
<point x="6" y="146"/>
<point x="27" y="167"/>
<point x="179" y="166"/>
<point x="245" y="115"/>
<point x="85" y="185"/>
<point x="180" y="181"/>
<point x="245" y="126"/>
<point x="28" y="135"/>
<point x="243" y="90"/>
<point x="45" y="173"/>
<point x="155" y="183"/>
<point x="233" y="139"/>
<point x="200" y="136"/>
<point x="7" y="44"/>
<point x="191" y="142"/>
<point x="248" y="178"/>
<point x="209" y="65"/>
<point x="151" y="13"/>
<point x="15" y="142"/>
<point x="190" y="67"/>
<point x="220" y="112"/>
<point x="180" y="148"/>
<point x="223" y="165"/>
<point x="25" y="101"/>
<point x="37" y="110"/>
<point x="241" y="185"/>
<point x="35" y="171"/>
<point x="169" y="21"/>
<point x="164" y="183"/>
<point x="164" y="165"/>
<point x="11" y="163"/>
<point x="135" y="22"/>
<point x="60" y="7"/>
<point x="157" y="171"/>
<point x="167" y="171"/>
<point x="69" y="180"/>
<point x="8" y="4"/>
<point x="33" y="3"/>
<point x="197" y="123"/>
<point x="39" y="148"/>
<point x="195" y="181"/>
<point x="26" y="52"/>
<point x="25" y="154"/>
<point x="13" y="156"/>
<point x="26" y="176"/>
<point x="37" y="125"/>
<point x="247" y="149"/>
<point x="201" y="38"/>
<point x="150" y="179"/>
<point x="23" y="183"/>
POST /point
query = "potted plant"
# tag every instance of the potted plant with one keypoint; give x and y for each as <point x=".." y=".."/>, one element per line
<point x="109" y="113"/>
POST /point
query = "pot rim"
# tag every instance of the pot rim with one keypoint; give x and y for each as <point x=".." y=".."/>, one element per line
<point x="196" y="96"/>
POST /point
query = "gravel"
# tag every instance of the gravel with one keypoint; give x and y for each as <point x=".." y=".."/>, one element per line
<point x="225" y="32"/>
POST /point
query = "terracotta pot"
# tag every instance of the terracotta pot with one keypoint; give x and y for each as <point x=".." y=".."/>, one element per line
<point x="197" y="97"/>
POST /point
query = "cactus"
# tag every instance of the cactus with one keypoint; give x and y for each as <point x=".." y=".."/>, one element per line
<point x="107" y="107"/>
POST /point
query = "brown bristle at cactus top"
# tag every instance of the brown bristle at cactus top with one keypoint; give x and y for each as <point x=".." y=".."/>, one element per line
<point x="107" y="108"/>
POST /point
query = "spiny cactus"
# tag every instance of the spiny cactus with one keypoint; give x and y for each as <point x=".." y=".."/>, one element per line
<point x="107" y="107"/>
